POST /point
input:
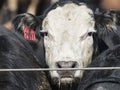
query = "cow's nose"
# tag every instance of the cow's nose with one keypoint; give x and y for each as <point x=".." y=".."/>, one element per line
<point x="68" y="64"/>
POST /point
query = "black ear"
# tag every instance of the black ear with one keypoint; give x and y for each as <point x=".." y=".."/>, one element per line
<point x="27" y="24"/>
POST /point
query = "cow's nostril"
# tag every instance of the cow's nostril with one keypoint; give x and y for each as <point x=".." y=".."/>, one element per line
<point x="68" y="64"/>
<point x="74" y="65"/>
<point x="59" y="65"/>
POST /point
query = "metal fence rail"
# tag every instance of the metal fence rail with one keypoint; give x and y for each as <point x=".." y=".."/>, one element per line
<point x="58" y="69"/>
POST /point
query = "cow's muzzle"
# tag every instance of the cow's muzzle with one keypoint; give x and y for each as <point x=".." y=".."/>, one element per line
<point x="66" y="64"/>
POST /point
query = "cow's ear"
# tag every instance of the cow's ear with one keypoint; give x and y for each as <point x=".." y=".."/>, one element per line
<point x="27" y="25"/>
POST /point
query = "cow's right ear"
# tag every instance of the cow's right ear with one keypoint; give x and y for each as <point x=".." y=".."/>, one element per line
<point x="27" y="25"/>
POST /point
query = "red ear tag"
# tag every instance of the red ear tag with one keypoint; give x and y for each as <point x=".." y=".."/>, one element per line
<point x="29" y="34"/>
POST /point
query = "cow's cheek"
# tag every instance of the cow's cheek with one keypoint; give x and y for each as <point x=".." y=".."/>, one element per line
<point x="87" y="51"/>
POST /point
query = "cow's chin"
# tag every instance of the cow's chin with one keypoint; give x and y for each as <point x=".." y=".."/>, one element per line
<point x="67" y="79"/>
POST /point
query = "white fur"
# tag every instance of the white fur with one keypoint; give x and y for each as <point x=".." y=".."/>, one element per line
<point x="67" y="38"/>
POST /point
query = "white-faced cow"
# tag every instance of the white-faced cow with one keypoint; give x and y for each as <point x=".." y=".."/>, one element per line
<point x="69" y="39"/>
<point x="69" y="42"/>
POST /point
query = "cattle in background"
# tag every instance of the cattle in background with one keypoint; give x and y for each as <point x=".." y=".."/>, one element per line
<point x="15" y="52"/>
<point x="103" y="79"/>
<point x="105" y="4"/>
<point x="9" y="9"/>
<point x="35" y="7"/>
<point x="2" y="2"/>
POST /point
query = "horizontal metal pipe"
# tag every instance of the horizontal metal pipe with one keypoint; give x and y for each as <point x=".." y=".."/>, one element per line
<point x="58" y="69"/>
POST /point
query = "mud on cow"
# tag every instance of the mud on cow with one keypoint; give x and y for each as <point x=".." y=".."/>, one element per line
<point x="15" y="52"/>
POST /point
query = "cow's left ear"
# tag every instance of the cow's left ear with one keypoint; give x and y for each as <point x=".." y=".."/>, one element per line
<point x="27" y="25"/>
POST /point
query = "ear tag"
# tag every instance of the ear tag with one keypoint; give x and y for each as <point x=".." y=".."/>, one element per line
<point x="29" y="34"/>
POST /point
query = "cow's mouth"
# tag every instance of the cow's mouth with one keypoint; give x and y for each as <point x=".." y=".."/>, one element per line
<point x="65" y="77"/>
<point x="67" y="80"/>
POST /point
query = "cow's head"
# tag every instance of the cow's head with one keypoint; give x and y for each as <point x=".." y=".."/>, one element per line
<point x="69" y="40"/>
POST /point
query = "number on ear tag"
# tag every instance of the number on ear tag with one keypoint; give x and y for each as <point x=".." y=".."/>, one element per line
<point x="29" y="34"/>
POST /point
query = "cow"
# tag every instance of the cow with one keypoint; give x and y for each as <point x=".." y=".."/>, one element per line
<point x="70" y="39"/>
<point x="103" y="79"/>
<point x="16" y="53"/>
<point x="67" y="42"/>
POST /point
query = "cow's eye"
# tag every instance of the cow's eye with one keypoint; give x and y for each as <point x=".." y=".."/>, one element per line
<point x="87" y="35"/>
<point x="44" y="33"/>
<point x="90" y="33"/>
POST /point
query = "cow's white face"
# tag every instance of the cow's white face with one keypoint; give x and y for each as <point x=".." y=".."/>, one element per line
<point x="69" y="43"/>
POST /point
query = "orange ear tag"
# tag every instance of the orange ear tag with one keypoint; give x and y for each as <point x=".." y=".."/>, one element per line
<point x="29" y="34"/>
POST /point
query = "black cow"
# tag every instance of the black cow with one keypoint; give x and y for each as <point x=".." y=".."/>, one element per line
<point x="103" y="79"/>
<point x="15" y="52"/>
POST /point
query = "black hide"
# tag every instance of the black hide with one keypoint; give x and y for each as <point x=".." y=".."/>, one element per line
<point x="108" y="27"/>
<point x="15" y="52"/>
<point x="23" y="20"/>
<point x="103" y="79"/>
